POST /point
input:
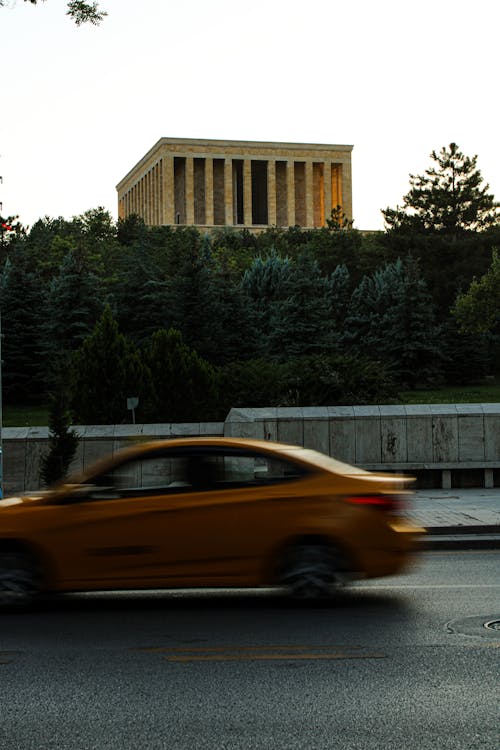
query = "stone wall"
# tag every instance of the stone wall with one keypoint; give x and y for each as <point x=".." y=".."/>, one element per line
<point x="24" y="447"/>
<point x="416" y="438"/>
<point x="444" y="439"/>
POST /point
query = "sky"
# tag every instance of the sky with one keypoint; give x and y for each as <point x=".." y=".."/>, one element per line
<point x="396" y="80"/>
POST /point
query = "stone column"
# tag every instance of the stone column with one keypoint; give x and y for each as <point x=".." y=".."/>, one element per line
<point x="309" y="194"/>
<point x="327" y="182"/>
<point x="189" y="191"/>
<point x="228" y="192"/>
<point x="247" y="192"/>
<point x="290" y="182"/>
<point x="346" y="190"/>
<point x="168" y="190"/>
<point x="271" y="192"/>
<point x="209" y="192"/>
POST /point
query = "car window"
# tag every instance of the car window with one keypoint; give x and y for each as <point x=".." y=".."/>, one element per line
<point x="193" y="471"/>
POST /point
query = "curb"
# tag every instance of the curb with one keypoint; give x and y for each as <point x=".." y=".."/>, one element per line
<point x="461" y="537"/>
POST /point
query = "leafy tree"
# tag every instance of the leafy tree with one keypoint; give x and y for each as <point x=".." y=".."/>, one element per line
<point x="63" y="441"/>
<point x="448" y="198"/>
<point x="319" y="380"/>
<point x="106" y="370"/>
<point x="478" y="309"/>
<point x="183" y="384"/>
<point x="78" y="10"/>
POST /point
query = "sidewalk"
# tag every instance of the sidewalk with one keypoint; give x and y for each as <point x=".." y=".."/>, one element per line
<point x="458" y="518"/>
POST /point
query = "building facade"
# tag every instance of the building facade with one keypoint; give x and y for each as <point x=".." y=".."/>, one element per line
<point x="243" y="184"/>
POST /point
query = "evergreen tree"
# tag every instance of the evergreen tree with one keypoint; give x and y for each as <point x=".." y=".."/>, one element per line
<point x="106" y="370"/>
<point x="339" y="293"/>
<point x="21" y="305"/>
<point x="391" y="318"/>
<point x="183" y="384"/>
<point x="301" y="322"/>
<point x="140" y="294"/>
<point x="263" y="285"/>
<point x="449" y="198"/>
<point x="63" y="441"/>
<point x="191" y="300"/>
<point x="74" y="303"/>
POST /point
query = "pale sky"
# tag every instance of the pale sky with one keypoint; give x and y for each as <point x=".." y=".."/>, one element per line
<point x="80" y="106"/>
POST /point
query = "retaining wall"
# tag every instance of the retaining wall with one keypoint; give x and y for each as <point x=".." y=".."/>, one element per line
<point x="445" y="440"/>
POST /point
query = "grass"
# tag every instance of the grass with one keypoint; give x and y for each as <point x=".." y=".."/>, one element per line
<point x="22" y="416"/>
<point x="485" y="393"/>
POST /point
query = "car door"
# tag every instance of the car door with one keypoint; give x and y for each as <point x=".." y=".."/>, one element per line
<point x="153" y="520"/>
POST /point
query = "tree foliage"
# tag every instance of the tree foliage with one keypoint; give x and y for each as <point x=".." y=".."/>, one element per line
<point x="478" y="309"/>
<point x="80" y="11"/>
<point x="63" y="441"/>
<point x="183" y="385"/>
<point x="448" y="198"/>
<point x="106" y="371"/>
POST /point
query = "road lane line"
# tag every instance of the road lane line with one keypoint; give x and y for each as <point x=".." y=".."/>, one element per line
<point x="208" y="649"/>
<point x="271" y="657"/>
<point x="368" y="587"/>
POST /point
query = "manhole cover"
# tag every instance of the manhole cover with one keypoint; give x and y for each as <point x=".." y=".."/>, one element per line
<point x="481" y="625"/>
<point x="492" y="625"/>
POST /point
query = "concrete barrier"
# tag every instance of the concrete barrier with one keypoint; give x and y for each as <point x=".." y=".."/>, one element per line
<point x="444" y="442"/>
<point x="440" y="438"/>
<point x="24" y="447"/>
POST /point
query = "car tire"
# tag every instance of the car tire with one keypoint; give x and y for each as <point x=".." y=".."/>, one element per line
<point x="312" y="570"/>
<point x="19" y="581"/>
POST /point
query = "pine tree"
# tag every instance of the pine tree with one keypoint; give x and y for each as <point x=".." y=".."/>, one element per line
<point x="107" y="370"/>
<point x="391" y="318"/>
<point x="183" y="384"/>
<point x="301" y="322"/>
<point x="262" y="286"/>
<point x="63" y="441"/>
<point x="21" y="304"/>
<point x="449" y="198"/>
<point x="74" y="303"/>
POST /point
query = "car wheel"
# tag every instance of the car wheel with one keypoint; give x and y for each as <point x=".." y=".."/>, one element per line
<point x="19" y="582"/>
<point x="312" y="570"/>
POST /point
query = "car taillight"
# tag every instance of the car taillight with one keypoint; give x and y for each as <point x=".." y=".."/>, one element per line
<point x="388" y="503"/>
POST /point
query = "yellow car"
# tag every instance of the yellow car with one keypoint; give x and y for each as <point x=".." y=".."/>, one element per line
<point x="212" y="512"/>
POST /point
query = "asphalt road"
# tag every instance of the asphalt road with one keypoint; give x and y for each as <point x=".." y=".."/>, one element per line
<point x="398" y="663"/>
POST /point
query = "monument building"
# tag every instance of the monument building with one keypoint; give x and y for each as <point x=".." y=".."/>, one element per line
<point x="242" y="184"/>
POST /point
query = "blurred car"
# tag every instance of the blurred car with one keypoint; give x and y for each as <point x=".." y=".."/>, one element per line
<point x="211" y="512"/>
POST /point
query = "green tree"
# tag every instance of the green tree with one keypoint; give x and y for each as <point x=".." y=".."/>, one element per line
<point x="449" y="198"/>
<point x="21" y="304"/>
<point x="391" y="318"/>
<point x="184" y="385"/>
<point x="478" y="309"/>
<point x="106" y="370"/>
<point x="263" y="285"/>
<point x="301" y="321"/>
<point x="78" y="10"/>
<point x="140" y="293"/>
<point x="74" y="302"/>
<point x="63" y="441"/>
